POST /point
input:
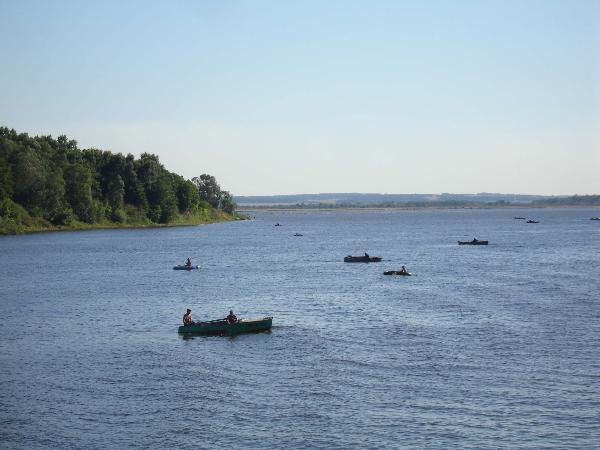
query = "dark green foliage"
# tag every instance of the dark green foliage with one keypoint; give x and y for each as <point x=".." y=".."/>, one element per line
<point x="6" y="180"/>
<point x="227" y="203"/>
<point x="209" y="189"/>
<point x="52" y="181"/>
<point x="78" y="178"/>
<point x="187" y="195"/>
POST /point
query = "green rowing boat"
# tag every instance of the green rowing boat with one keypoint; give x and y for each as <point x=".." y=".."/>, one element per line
<point x="224" y="328"/>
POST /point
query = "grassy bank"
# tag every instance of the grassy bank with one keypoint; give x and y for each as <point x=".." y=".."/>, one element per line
<point x="16" y="220"/>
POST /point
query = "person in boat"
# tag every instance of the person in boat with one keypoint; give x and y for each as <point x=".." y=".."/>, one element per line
<point x="188" y="263"/>
<point x="366" y="255"/>
<point x="187" y="317"/>
<point x="403" y="270"/>
<point x="474" y="239"/>
<point x="231" y="318"/>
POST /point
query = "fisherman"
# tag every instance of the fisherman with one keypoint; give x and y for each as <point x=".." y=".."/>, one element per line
<point x="403" y="270"/>
<point x="188" y="263"/>
<point x="231" y="318"/>
<point x="187" y="317"/>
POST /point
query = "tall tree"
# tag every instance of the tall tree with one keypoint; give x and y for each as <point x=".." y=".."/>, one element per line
<point x="227" y="203"/>
<point x="78" y="180"/>
<point x="209" y="189"/>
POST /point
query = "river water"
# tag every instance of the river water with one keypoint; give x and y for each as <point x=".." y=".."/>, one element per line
<point x="484" y="346"/>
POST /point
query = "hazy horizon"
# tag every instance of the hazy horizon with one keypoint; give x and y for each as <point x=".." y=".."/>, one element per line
<point x="274" y="98"/>
<point x="416" y="193"/>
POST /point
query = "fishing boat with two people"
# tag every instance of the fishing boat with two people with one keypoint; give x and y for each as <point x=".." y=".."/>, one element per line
<point x="229" y="326"/>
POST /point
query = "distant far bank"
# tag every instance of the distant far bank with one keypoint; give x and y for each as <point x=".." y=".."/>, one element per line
<point x="319" y="202"/>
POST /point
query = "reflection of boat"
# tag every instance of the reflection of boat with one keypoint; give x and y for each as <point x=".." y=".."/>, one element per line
<point x="520" y="218"/>
<point x="297" y="234"/>
<point x="533" y="221"/>
<point x="223" y="328"/>
<point x="364" y="259"/>
<point x="184" y="267"/>
<point x="473" y="242"/>
<point x="594" y="218"/>
<point x="396" y="272"/>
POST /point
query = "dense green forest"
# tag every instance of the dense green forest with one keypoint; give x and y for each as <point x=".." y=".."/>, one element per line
<point x="48" y="183"/>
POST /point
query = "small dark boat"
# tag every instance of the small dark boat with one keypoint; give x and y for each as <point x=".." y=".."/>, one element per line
<point x="533" y="221"/>
<point x="298" y="234"/>
<point x="223" y="328"/>
<point x="277" y="224"/>
<point x="396" y="272"/>
<point x="520" y="218"/>
<point x="594" y="218"/>
<point x="473" y="242"/>
<point x="362" y="259"/>
<point x="184" y="267"/>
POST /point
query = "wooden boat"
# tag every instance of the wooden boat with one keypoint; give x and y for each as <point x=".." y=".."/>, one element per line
<point x="223" y="328"/>
<point x="533" y="221"/>
<point x="184" y="267"/>
<point x="396" y="272"/>
<point x="473" y="242"/>
<point x="362" y="259"/>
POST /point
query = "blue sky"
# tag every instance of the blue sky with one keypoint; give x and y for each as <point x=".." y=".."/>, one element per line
<point x="302" y="97"/>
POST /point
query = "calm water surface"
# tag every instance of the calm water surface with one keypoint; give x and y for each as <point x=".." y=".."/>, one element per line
<point x="495" y="346"/>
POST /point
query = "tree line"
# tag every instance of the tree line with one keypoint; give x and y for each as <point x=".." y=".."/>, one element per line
<point x="54" y="180"/>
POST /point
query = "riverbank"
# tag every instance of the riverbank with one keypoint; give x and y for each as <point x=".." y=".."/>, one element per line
<point x="25" y="224"/>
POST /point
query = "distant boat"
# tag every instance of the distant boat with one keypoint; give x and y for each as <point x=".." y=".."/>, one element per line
<point x="473" y="242"/>
<point x="520" y="218"/>
<point x="396" y="272"/>
<point x="298" y="234"/>
<point x="594" y="218"/>
<point x="533" y="221"/>
<point x="362" y="259"/>
<point x="277" y="224"/>
<point x="223" y="328"/>
<point x="184" y="267"/>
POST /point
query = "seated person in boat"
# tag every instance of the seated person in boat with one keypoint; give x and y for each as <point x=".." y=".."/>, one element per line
<point x="403" y="270"/>
<point x="187" y="318"/>
<point x="231" y="318"/>
<point x="188" y="263"/>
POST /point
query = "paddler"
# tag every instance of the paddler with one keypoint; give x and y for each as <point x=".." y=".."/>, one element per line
<point x="187" y="318"/>
<point x="231" y="318"/>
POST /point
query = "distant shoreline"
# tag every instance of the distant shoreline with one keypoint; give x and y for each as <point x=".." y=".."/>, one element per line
<point x="408" y="208"/>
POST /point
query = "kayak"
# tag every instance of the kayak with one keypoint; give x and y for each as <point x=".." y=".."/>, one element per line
<point x="396" y="272"/>
<point x="473" y="242"/>
<point x="223" y="328"/>
<point x="186" y="267"/>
